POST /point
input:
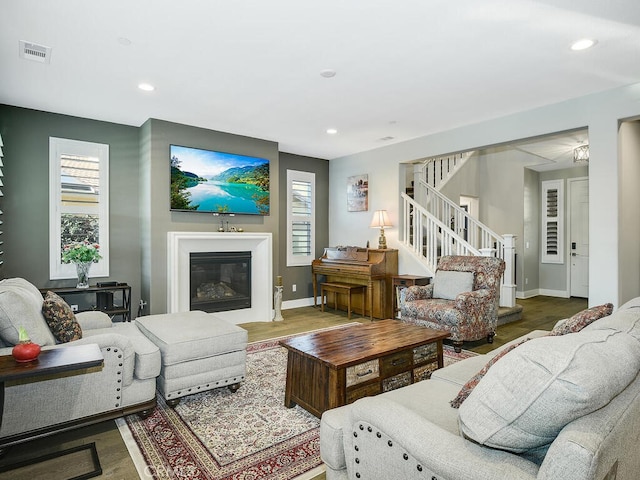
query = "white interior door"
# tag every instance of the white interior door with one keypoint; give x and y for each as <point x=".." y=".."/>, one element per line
<point x="579" y="238"/>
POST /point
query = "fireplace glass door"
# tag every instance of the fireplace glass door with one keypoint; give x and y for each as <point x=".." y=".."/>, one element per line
<point x="220" y="281"/>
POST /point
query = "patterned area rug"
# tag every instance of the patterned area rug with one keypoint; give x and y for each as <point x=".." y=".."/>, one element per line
<point x="220" y="435"/>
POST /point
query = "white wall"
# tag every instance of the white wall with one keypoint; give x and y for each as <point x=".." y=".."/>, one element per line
<point x="600" y="113"/>
<point x="629" y="200"/>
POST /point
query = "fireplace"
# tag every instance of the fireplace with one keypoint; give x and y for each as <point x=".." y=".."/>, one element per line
<point x="180" y="245"/>
<point x="220" y="281"/>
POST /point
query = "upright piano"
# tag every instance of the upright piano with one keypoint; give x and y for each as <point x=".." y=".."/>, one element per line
<point x="371" y="267"/>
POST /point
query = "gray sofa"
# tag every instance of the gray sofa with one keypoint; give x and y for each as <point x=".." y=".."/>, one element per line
<point x="555" y="407"/>
<point x="125" y="384"/>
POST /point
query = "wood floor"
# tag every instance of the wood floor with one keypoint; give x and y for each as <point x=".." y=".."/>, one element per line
<point x="538" y="313"/>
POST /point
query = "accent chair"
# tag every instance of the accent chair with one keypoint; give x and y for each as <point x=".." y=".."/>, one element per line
<point x="462" y="298"/>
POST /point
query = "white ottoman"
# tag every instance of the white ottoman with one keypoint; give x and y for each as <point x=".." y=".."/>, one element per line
<point x="199" y="352"/>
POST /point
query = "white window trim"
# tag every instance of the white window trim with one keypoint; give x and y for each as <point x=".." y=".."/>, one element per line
<point x="58" y="147"/>
<point x="300" y="260"/>
<point x="557" y="220"/>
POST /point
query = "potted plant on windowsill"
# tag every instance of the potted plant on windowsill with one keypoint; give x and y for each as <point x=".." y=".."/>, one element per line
<point x="82" y="255"/>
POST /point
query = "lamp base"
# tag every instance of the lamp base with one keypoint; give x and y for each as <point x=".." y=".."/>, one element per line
<point x="382" y="241"/>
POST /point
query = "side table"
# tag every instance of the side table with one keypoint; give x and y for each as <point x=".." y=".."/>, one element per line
<point x="103" y="298"/>
<point x="56" y="360"/>
<point x="403" y="281"/>
<point x="53" y="361"/>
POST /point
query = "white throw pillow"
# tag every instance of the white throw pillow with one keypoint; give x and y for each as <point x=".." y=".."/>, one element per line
<point x="18" y="309"/>
<point x="527" y="397"/>
<point x="449" y="284"/>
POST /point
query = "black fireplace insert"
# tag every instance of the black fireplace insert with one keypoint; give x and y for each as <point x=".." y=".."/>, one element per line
<point x="220" y="281"/>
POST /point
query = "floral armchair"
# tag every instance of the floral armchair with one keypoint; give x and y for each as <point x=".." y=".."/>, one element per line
<point x="462" y="299"/>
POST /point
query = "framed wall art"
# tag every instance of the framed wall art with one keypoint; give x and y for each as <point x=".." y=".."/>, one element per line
<point x="358" y="193"/>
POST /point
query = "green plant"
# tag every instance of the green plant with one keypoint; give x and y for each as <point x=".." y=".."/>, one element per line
<point x="81" y="253"/>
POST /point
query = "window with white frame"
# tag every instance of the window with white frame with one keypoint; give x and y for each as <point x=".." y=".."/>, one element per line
<point x="301" y="217"/>
<point x="79" y="202"/>
<point x="553" y="221"/>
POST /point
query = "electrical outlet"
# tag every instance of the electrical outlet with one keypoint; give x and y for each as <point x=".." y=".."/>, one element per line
<point x="74" y="308"/>
<point x="526" y="281"/>
<point x="293" y="287"/>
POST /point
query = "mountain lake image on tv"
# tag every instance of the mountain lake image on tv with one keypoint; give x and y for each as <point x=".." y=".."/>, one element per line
<point x="217" y="182"/>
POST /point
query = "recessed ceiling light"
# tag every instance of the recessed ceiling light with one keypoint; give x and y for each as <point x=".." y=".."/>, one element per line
<point x="583" y="44"/>
<point x="124" y="41"/>
<point x="328" y="73"/>
<point x="332" y="131"/>
<point x="147" y="87"/>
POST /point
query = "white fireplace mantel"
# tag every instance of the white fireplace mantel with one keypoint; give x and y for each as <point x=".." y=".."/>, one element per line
<point x="181" y="244"/>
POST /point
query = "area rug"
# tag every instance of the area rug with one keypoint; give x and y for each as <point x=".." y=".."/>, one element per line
<point x="220" y="435"/>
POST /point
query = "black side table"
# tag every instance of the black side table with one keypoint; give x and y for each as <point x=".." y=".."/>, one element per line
<point x="104" y="298"/>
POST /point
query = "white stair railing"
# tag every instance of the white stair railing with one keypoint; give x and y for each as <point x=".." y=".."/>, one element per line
<point x="428" y="237"/>
<point x="458" y="219"/>
<point x="446" y="229"/>
<point x="437" y="171"/>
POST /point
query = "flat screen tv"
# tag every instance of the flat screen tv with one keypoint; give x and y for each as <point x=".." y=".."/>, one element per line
<point x="218" y="182"/>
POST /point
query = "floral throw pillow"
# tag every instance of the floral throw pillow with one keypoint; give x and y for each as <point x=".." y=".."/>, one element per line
<point x="582" y="319"/>
<point x="468" y="387"/>
<point x="60" y="318"/>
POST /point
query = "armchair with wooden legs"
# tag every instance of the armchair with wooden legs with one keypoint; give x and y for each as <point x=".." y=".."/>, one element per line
<point x="462" y="299"/>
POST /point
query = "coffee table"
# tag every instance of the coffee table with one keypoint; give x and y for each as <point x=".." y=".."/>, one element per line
<point x="333" y="368"/>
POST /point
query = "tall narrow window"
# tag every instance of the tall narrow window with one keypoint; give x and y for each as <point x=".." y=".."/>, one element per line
<point x="553" y="221"/>
<point x="1" y="194"/>
<point x="301" y="216"/>
<point x="79" y="202"/>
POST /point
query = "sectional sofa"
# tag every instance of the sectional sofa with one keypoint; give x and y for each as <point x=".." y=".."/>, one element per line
<point x="553" y="407"/>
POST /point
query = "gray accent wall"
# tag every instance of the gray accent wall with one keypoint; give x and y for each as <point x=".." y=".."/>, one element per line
<point x="301" y="276"/>
<point x="156" y="217"/>
<point x="139" y="198"/>
<point x="25" y="203"/>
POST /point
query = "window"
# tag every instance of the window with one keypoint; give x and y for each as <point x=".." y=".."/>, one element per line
<point x="1" y="194"/>
<point x="301" y="217"/>
<point x="553" y="221"/>
<point x="79" y="202"/>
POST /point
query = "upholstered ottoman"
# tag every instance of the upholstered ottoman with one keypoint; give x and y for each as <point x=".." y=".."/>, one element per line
<point x="199" y="352"/>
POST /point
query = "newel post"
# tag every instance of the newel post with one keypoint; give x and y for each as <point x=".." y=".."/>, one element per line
<point x="508" y="292"/>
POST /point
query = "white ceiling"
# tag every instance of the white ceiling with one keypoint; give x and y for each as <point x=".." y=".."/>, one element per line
<point x="405" y="68"/>
<point x="554" y="151"/>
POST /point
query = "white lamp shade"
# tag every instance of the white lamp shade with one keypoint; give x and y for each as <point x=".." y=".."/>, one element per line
<point x="380" y="219"/>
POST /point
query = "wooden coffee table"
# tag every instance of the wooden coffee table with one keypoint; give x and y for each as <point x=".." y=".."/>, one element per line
<point x="333" y="368"/>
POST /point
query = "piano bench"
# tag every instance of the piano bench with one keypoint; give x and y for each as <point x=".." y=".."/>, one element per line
<point x="342" y="288"/>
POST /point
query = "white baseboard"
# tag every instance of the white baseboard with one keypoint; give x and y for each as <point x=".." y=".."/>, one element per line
<point x="555" y="293"/>
<point x="301" y="302"/>
<point x="528" y="294"/>
<point x="541" y="291"/>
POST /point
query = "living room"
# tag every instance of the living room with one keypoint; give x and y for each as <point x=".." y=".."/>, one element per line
<point x="139" y="261"/>
<point x="607" y="106"/>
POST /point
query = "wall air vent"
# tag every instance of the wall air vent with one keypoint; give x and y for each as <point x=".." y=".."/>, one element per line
<point x="35" y="52"/>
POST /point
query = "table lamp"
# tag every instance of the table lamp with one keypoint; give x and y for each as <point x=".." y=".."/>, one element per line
<point x="381" y="219"/>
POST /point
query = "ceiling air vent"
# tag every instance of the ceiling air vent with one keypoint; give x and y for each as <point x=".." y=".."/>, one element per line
<point x="35" y="52"/>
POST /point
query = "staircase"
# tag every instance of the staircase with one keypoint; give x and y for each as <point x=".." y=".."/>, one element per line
<point x="435" y="226"/>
